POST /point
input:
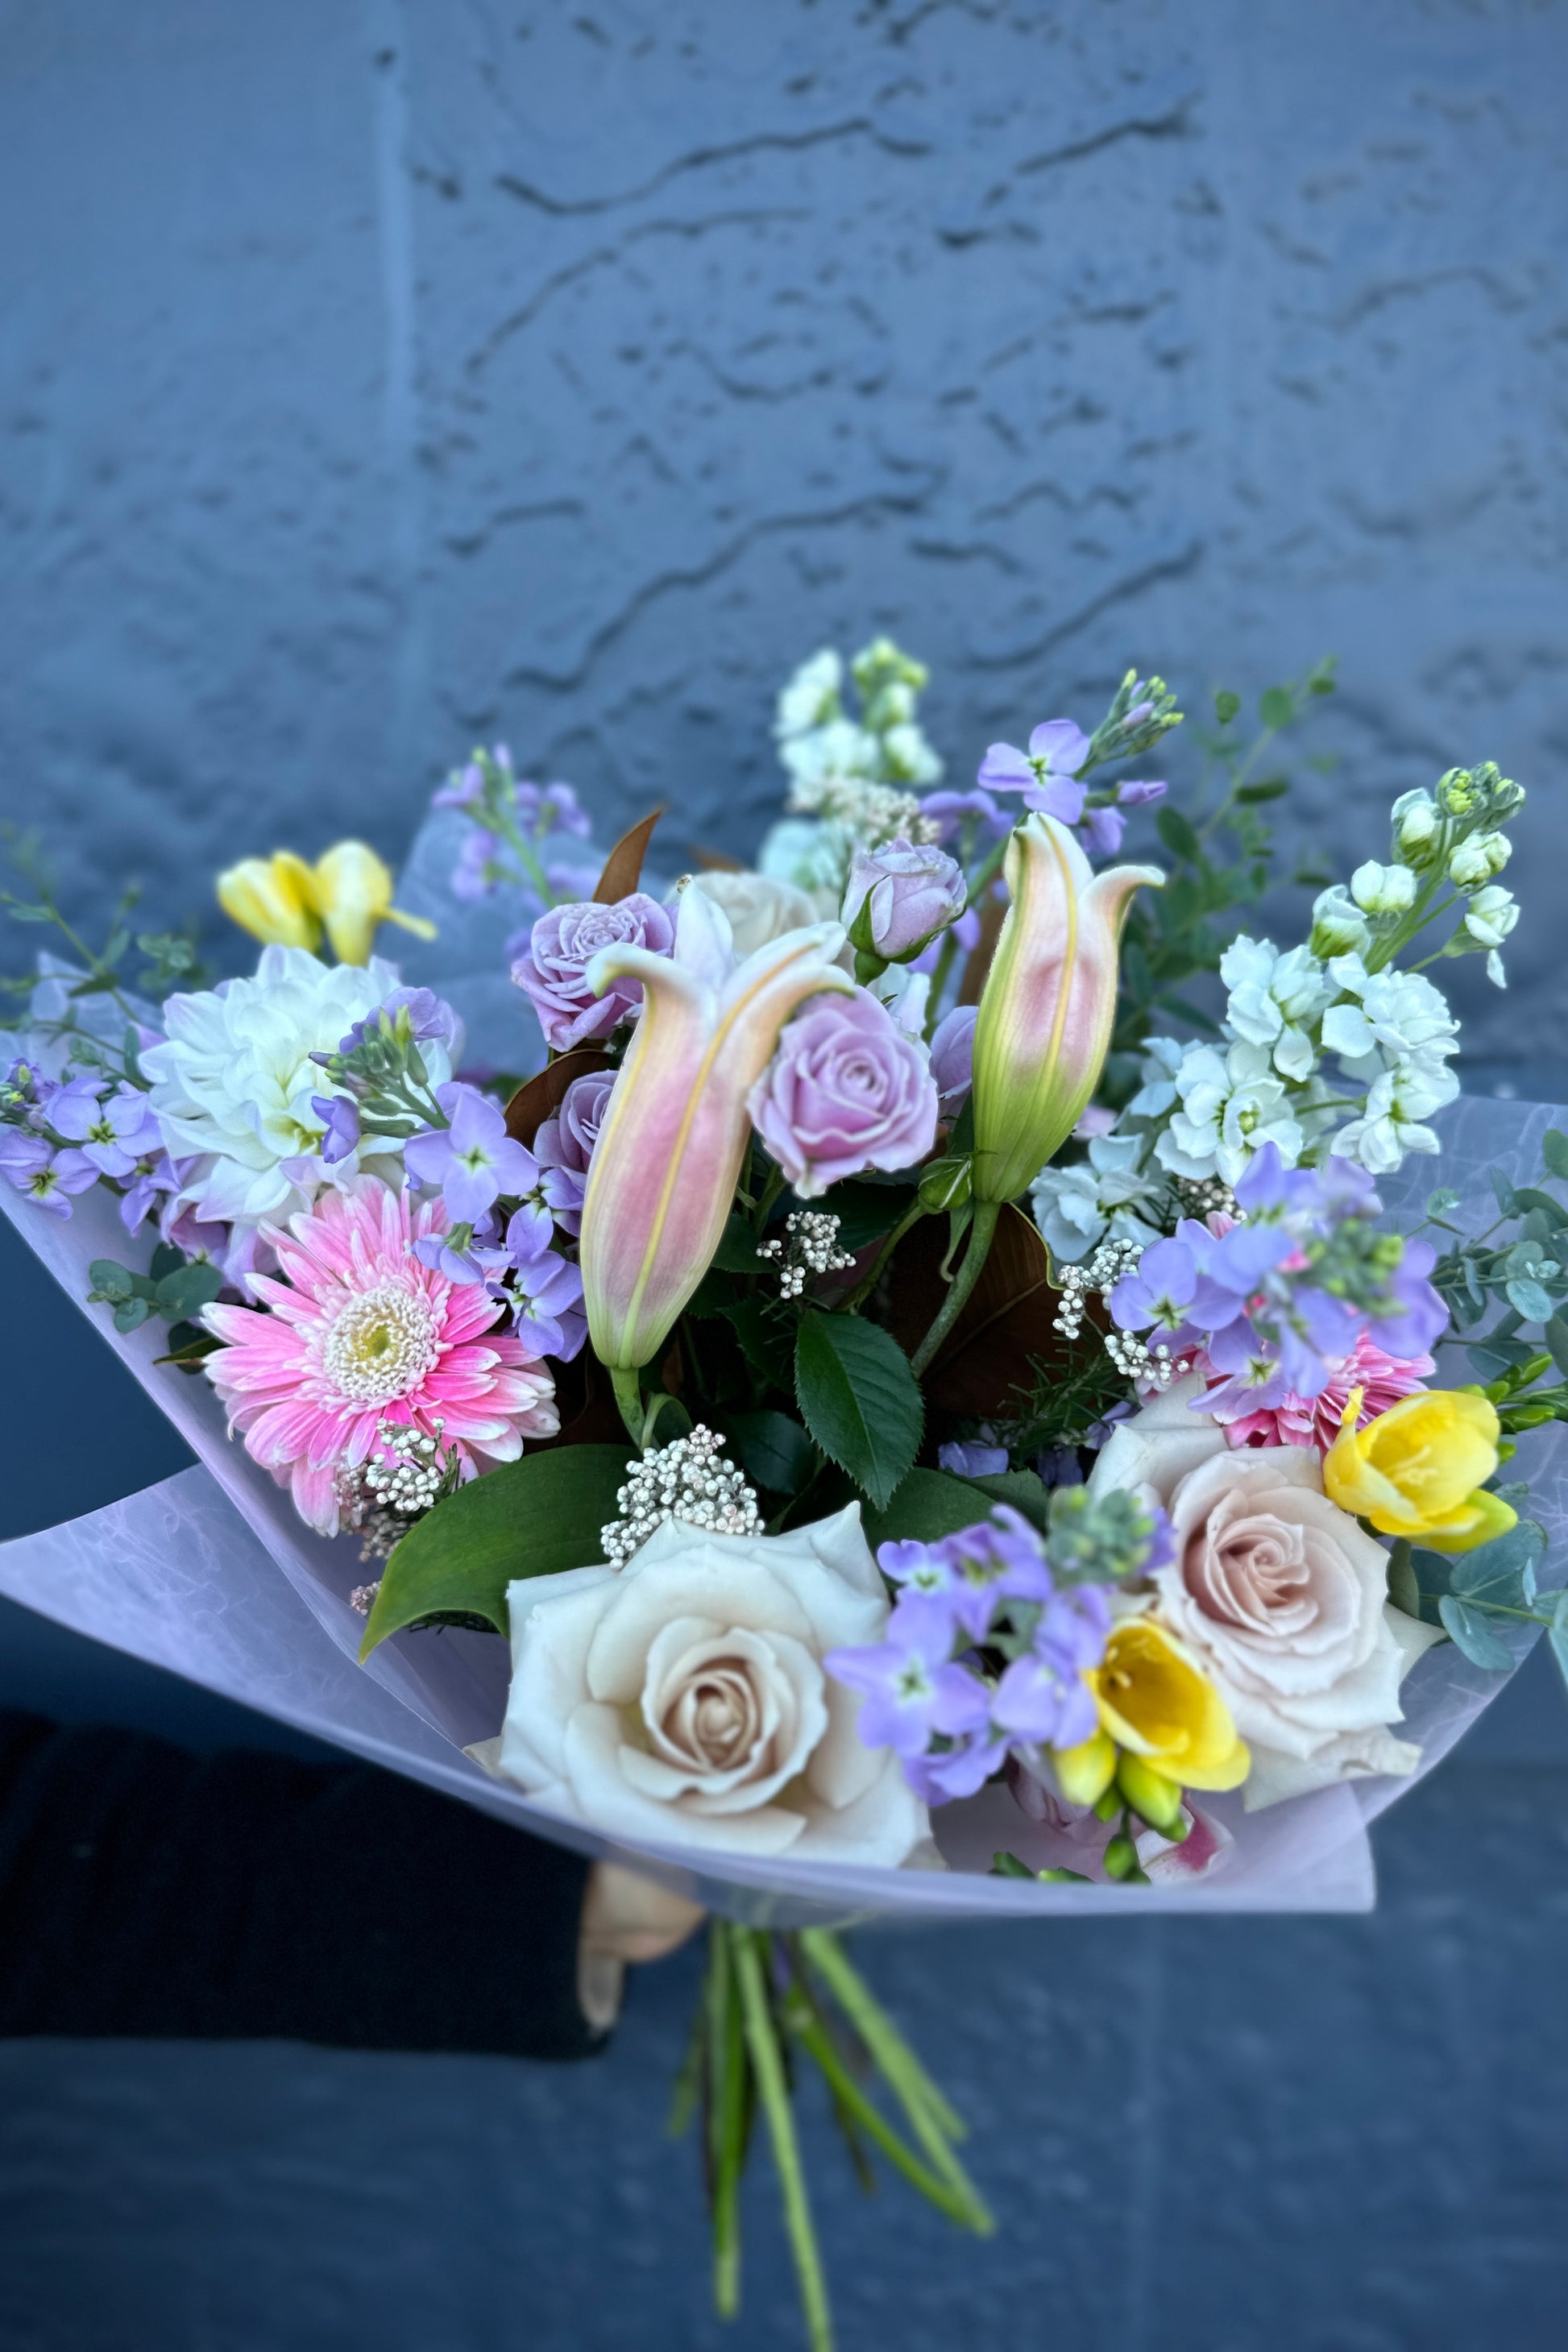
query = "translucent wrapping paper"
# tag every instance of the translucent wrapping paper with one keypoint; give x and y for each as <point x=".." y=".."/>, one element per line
<point x="210" y="1575"/>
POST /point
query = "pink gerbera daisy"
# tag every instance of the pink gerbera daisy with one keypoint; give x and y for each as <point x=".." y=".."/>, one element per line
<point x="1315" y="1421"/>
<point x="358" y="1330"/>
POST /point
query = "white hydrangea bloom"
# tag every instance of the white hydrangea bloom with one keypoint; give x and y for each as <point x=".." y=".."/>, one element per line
<point x="231" y="1083"/>
<point x="1398" y="1104"/>
<point x="1273" y="997"/>
<point x="1076" y="1207"/>
<point x="1232" y="1105"/>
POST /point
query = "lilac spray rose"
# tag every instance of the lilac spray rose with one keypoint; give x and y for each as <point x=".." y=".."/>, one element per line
<point x="565" y="1141"/>
<point x="564" y="943"/>
<point x="898" y="897"/>
<point x="845" y="1090"/>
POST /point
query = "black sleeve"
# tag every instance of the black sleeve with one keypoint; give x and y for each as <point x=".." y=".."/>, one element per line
<point x="147" y="1892"/>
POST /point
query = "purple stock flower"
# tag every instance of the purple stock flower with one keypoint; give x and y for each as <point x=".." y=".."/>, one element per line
<point x="898" y="897"/>
<point x="47" y="1177"/>
<point x="1042" y="1697"/>
<point x="1045" y="774"/>
<point x="1100" y="830"/>
<point x="912" y="1689"/>
<point x="563" y="1146"/>
<point x="947" y="811"/>
<point x="1420" y="1316"/>
<point x="114" y="1134"/>
<point x="464" y="788"/>
<point x="952" y="1059"/>
<point x="564" y="943"/>
<point x="845" y="1090"/>
<point x="339" y="1116"/>
<point x="547" y="1290"/>
<point x="963" y="1577"/>
<point x="474" y="1160"/>
<point x="1137" y="792"/>
<point x="969" y="1459"/>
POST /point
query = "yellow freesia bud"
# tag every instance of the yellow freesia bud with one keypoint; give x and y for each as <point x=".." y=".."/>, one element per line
<point x="1418" y="1469"/>
<point x="1156" y="1702"/>
<point x="1084" y="1773"/>
<point x="273" y="898"/>
<point x="286" y="903"/>
<point x="353" y="895"/>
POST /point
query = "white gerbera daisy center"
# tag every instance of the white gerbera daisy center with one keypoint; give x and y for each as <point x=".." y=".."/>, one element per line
<point x="382" y="1345"/>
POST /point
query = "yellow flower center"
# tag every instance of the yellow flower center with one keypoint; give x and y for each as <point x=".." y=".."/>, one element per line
<point x="382" y="1345"/>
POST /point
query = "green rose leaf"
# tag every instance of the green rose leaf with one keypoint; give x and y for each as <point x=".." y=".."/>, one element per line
<point x="1468" y="1629"/>
<point x="1177" y="835"/>
<point x="532" y="1518"/>
<point x="924" y="1507"/>
<point x="864" y="1212"/>
<point x="859" y="1400"/>
<point x="774" y="1451"/>
<point x="1024" y="1490"/>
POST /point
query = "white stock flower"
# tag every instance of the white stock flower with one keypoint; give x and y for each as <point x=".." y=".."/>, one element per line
<point x="838" y="749"/>
<point x="1384" y="890"/>
<point x="232" y="1085"/>
<point x="1076" y="1207"/>
<point x="682" y="1700"/>
<point x="1416" y="819"/>
<point x="1162" y="1060"/>
<point x="810" y="698"/>
<point x="1232" y="1105"/>
<point x="1398" y="1104"/>
<point x="1476" y="860"/>
<point x="909" y="755"/>
<point x="1495" y="971"/>
<point x="760" y="907"/>
<point x="1399" y="1011"/>
<point x="1279" y="1592"/>
<point x="1491" y="914"/>
<point x="1271" y="997"/>
<point x="1339" y="926"/>
<point x="814" y="854"/>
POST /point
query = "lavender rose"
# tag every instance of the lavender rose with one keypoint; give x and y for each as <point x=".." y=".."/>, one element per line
<point x="845" y="1090"/>
<point x="565" y="1141"/>
<point x="563" y="942"/>
<point x="898" y="897"/>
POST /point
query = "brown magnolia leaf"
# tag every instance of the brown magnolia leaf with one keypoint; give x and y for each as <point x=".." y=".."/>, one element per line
<point x="1006" y="1326"/>
<point x="622" y="867"/>
<point x="992" y="915"/>
<point x="542" y="1093"/>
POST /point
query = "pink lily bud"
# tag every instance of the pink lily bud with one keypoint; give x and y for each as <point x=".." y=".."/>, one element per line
<point x="1049" y="1003"/>
<point x="675" y="1129"/>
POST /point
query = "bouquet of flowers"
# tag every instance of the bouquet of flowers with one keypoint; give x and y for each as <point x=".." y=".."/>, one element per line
<point x="801" y="1377"/>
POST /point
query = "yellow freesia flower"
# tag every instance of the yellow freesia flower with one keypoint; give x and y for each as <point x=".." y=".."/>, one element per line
<point x="1418" y="1469"/>
<point x="273" y="898"/>
<point x="286" y="903"/>
<point x="1156" y="1702"/>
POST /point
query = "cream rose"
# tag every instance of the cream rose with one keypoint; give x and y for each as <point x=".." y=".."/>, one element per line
<point x="1281" y="1595"/>
<point x="681" y="1699"/>
<point x="760" y="907"/>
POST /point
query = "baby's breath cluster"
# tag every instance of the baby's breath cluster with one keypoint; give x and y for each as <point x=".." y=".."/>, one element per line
<point x="1206" y="1196"/>
<point x="876" y="812"/>
<point x="1096" y="1276"/>
<point x="689" y="1480"/>
<point x="403" y="1480"/>
<point x="810" y="1248"/>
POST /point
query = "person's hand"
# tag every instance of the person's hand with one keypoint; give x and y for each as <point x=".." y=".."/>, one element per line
<point x="626" y="1920"/>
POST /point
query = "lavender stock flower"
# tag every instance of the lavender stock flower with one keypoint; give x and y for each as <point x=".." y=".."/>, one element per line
<point x="473" y="1160"/>
<point x="1045" y="774"/>
<point x="845" y="1090"/>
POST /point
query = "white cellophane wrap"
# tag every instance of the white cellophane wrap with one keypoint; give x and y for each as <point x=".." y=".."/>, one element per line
<point x="212" y="1576"/>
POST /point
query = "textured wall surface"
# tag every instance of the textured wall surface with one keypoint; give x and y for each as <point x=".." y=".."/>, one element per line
<point x="379" y="376"/>
<point x="374" y="376"/>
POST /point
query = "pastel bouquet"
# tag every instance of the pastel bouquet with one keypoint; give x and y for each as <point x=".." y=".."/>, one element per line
<point x="915" y="1379"/>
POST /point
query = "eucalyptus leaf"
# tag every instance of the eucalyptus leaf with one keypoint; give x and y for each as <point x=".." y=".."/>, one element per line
<point x="1557" y="1634"/>
<point x="1439" y="1202"/>
<point x="1501" y="1574"/>
<point x="532" y="1518"/>
<point x="184" y="1293"/>
<point x="1403" y="1590"/>
<point x="1555" y="1151"/>
<point x="1556" y="1336"/>
<point x="112" y="1282"/>
<point x="130" y="1313"/>
<point x="1469" y="1630"/>
<point x="1527" y="1298"/>
<point x="1506" y="1199"/>
<point x="859" y="1400"/>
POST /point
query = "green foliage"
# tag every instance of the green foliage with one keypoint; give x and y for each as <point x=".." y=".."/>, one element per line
<point x="859" y="1400"/>
<point x="532" y="1518"/>
<point x="925" y="1505"/>
<point x="774" y="1451"/>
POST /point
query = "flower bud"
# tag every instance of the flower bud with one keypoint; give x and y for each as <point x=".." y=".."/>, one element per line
<point x="1382" y="889"/>
<point x="273" y="898"/>
<point x="1417" y="823"/>
<point x="945" y="1184"/>
<point x="1459" y="793"/>
<point x="1476" y="860"/>
<point x="1339" y="928"/>
<point x="898" y="897"/>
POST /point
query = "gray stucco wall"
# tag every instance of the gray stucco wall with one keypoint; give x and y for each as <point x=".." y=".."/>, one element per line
<point x="378" y="376"/>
